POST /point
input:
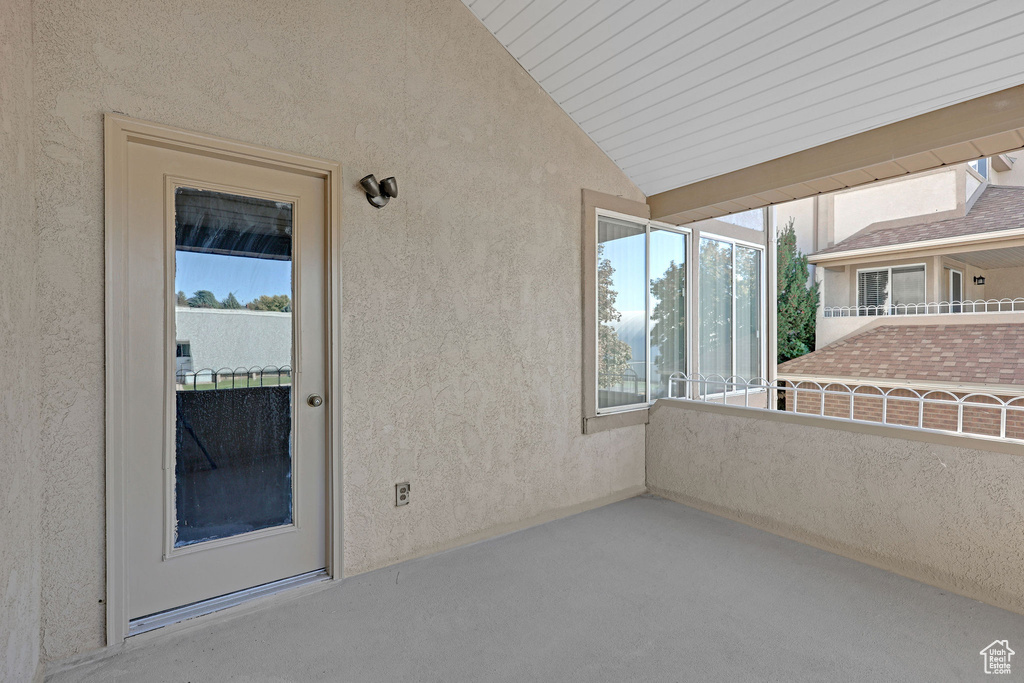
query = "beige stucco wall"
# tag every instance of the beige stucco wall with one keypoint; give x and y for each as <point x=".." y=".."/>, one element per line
<point x="1004" y="283"/>
<point x="19" y="391"/>
<point x="915" y="196"/>
<point x="461" y="305"/>
<point x="948" y="515"/>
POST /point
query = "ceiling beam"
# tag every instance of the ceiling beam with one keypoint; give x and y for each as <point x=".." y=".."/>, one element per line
<point x="984" y="126"/>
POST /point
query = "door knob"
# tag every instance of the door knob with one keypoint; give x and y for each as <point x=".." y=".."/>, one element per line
<point x="315" y="400"/>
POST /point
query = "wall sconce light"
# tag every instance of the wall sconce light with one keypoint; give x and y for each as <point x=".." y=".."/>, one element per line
<point x="379" y="194"/>
<point x="979" y="279"/>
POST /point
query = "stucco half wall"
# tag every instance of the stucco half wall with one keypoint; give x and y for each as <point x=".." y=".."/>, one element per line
<point x="927" y="506"/>
<point x="461" y="321"/>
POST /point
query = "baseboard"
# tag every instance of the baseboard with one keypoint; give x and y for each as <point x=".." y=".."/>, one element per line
<point x="510" y="528"/>
<point x="914" y="571"/>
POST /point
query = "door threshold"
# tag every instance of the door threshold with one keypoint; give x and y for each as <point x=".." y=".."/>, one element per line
<point x="198" y="609"/>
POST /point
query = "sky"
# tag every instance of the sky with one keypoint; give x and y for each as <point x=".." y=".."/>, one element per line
<point x="627" y="257"/>
<point x="248" y="278"/>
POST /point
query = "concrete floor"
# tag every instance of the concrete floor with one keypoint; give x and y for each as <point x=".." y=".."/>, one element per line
<point x="645" y="589"/>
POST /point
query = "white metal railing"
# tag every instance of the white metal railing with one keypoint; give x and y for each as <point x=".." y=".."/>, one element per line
<point x="933" y="308"/>
<point x="973" y="414"/>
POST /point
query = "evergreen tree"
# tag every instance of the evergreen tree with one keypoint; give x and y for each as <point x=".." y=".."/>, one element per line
<point x="613" y="354"/>
<point x="668" y="333"/>
<point x="182" y="299"/>
<point x="798" y="303"/>
<point x="203" y="298"/>
<point x="231" y="302"/>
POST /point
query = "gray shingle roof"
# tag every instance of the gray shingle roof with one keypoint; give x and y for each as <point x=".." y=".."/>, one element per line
<point x="998" y="208"/>
<point x="959" y="354"/>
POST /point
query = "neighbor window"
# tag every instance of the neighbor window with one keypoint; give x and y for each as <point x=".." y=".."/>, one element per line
<point x="898" y="290"/>
<point x="641" y="316"/>
<point x="729" y="311"/>
<point x="981" y="166"/>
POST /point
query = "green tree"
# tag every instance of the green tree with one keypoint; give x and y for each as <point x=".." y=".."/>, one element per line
<point x="231" y="302"/>
<point x="798" y="302"/>
<point x="613" y="354"/>
<point x="668" y="332"/>
<point x="203" y="298"/>
<point x="182" y="299"/>
<point x="281" y="303"/>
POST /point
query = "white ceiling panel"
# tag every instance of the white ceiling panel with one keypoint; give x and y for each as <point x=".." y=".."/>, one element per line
<point x="676" y="91"/>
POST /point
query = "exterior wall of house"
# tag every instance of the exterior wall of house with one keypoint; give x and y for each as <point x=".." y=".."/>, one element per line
<point x="461" y="299"/>
<point x="1015" y="176"/>
<point x="235" y="338"/>
<point x="1004" y="283"/>
<point x="20" y="494"/>
<point x="917" y="196"/>
<point x="940" y="509"/>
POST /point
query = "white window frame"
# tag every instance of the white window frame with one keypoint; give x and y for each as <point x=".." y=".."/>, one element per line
<point x="648" y="225"/>
<point x="762" y="311"/>
<point x="888" y="289"/>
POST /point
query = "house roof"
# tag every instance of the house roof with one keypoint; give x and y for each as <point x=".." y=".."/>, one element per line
<point x="948" y="354"/>
<point x="998" y="208"/>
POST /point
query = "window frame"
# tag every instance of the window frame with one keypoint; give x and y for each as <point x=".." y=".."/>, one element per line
<point x="888" y="291"/>
<point x="594" y="285"/>
<point x="762" y="313"/>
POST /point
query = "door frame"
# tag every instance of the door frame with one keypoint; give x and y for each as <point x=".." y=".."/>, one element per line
<point x="119" y="132"/>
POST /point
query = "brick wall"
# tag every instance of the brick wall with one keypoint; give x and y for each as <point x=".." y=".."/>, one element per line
<point x="902" y="407"/>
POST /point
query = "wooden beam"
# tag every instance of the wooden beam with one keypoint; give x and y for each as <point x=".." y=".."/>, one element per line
<point x="946" y="131"/>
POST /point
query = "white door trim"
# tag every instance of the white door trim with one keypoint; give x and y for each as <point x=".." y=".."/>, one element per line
<point x="119" y="132"/>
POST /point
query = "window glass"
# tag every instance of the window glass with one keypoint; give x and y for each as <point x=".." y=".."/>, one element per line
<point x="753" y="219"/>
<point x="872" y="291"/>
<point x="715" y="308"/>
<point x="980" y="165"/>
<point x="668" y="308"/>
<point x="907" y="289"/>
<point x="621" y="312"/>
<point x="233" y="400"/>
<point x="748" y="313"/>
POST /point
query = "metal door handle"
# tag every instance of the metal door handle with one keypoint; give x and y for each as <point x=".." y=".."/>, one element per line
<point x="315" y="400"/>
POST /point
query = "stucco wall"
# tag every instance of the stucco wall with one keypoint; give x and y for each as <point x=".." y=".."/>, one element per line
<point x="1003" y="283"/>
<point x="235" y="338"/>
<point x="19" y="391"/>
<point x="461" y="305"/>
<point x="949" y="515"/>
<point x="918" y="196"/>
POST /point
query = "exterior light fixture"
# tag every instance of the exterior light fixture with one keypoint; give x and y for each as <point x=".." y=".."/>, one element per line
<point x="379" y="194"/>
<point x="979" y="279"/>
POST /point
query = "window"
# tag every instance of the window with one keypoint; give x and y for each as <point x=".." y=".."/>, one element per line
<point x="730" y="310"/>
<point x="981" y="166"/>
<point x="183" y="350"/>
<point x="641" y="310"/>
<point x="898" y="290"/>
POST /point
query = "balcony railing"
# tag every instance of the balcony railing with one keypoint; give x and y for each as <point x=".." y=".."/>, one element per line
<point x="233" y="378"/>
<point x="934" y="308"/>
<point x="971" y="414"/>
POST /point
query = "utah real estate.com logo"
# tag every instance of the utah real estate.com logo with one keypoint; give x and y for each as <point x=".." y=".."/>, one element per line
<point x="997" y="657"/>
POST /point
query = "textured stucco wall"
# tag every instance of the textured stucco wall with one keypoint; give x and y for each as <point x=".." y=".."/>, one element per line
<point x="948" y="515"/>
<point x="461" y="298"/>
<point x="19" y="391"/>
<point x="235" y="338"/>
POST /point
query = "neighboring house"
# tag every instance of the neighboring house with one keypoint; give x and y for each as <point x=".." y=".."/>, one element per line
<point x="922" y="295"/>
<point x="231" y="341"/>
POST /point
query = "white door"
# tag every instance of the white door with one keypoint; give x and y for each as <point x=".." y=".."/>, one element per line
<point x="225" y="451"/>
<point x="956" y="290"/>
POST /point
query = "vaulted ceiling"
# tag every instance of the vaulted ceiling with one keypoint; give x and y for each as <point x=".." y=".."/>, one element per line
<point x="676" y="91"/>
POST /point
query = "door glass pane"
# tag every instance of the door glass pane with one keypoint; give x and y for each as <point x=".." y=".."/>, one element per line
<point x="908" y="290"/>
<point x="715" y="304"/>
<point x="668" y="309"/>
<point x="621" y="313"/>
<point x="748" y="313"/>
<point x="233" y="358"/>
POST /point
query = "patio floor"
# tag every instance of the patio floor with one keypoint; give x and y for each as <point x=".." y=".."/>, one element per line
<point x="645" y="589"/>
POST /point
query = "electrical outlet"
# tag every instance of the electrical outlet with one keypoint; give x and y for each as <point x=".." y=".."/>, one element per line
<point x="402" y="494"/>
